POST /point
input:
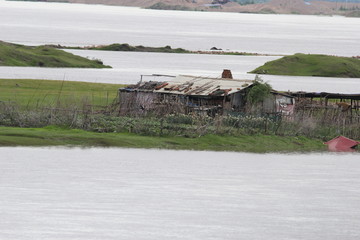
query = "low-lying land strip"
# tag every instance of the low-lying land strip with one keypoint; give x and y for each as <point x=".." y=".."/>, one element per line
<point x="125" y="47"/>
<point x="47" y="113"/>
<point x="312" y="65"/>
<point x="53" y="136"/>
<point x="43" y="56"/>
<point x="31" y="94"/>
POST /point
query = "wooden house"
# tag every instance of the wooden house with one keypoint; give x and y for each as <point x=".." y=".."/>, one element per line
<point x="184" y="94"/>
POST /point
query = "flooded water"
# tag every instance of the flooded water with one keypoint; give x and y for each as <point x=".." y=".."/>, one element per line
<point x="88" y="194"/>
<point x="75" y="24"/>
<point x="59" y="193"/>
<point x="127" y="67"/>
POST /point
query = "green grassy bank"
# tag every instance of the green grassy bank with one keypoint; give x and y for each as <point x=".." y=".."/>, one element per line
<point x="43" y="56"/>
<point x="53" y="136"/>
<point x="32" y="93"/>
<point x="51" y="113"/>
<point x="312" y="65"/>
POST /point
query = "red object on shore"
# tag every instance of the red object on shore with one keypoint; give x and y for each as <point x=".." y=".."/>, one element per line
<point x="342" y="144"/>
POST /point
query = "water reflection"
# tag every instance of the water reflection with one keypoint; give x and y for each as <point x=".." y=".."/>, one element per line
<point x="75" y="24"/>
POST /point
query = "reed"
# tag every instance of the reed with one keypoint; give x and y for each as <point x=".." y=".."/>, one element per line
<point x="106" y="119"/>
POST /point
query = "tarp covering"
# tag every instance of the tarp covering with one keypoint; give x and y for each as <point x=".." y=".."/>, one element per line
<point x="342" y="144"/>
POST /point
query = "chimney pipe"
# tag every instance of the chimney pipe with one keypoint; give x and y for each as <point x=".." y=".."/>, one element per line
<point x="226" y="74"/>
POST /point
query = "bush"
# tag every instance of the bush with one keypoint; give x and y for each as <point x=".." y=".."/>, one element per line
<point x="179" y="119"/>
<point x="259" y="92"/>
<point x="175" y="124"/>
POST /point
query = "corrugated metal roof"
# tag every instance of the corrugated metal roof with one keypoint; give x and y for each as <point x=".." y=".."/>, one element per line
<point x="201" y="86"/>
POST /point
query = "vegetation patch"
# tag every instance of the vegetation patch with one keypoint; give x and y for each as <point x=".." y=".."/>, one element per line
<point x="44" y="113"/>
<point x="259" y="92"/>
<point x="312" y="65"/>
<point x="55" y="136"/>
<point x="164" y="6"/>
<point x="353" y="14"/>
<point x="43" y="56"/>
<point x="246" y="2"/>
<point x="31" y="94"/>
<point x="128" y="48"/>
<point x="125" y="47"/>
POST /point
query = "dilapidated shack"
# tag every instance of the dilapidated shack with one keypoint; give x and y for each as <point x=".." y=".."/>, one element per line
<point x="336" y="107"/>
<point x="184" y="94"/>
<point x="279" y="103"/>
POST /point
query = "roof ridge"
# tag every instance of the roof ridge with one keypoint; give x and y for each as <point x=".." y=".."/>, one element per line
<point x="214" y="78"/>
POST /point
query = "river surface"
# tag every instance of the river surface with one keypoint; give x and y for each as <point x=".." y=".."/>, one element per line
<point x="128" y="66"/>
<point x="97" y="193"/>
<point x="36" y="23"/>
<point x="77" y="24"/>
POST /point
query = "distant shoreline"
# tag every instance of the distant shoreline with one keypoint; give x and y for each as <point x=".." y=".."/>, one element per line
<point x="124" y="47"/>
<point x="296" y="7"/>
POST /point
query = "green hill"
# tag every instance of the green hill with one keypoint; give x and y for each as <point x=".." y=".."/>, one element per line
<point x="312" y="65"/>
<point x="43" y="56"/>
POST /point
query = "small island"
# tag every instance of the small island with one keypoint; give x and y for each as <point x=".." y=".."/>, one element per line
<point x="312" y="65"/>
<point x="43" y="56"/>
<point x="125" y="47"/>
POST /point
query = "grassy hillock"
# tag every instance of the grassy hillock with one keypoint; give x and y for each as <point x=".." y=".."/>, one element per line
<point x="312" y="65"/>
<point x="43" y="56"/>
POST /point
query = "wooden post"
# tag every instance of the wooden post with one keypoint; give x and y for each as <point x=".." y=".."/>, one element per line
<point x="326" y="109"/>
<point x="351" y="111"/>
<point x="161" y="126"/>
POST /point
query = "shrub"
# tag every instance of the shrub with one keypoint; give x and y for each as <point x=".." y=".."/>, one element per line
<point x="259" y="92"/>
